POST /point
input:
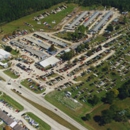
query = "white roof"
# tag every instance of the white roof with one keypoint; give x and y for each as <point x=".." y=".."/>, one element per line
<point x="67" y="50"/>
<point x="1" y="57"/>
<point x="3" y="64"/>
<point x="3" y="52"/>
<point x="13" y="124"/>
<point x="49" y="61"/>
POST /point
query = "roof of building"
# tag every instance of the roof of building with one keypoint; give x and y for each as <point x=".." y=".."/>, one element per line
<point x="3" y="52"/>
<point x="5" y="118"/>
<point x="38" y="42"/>
<point x="49" y="61"/>
<point x="103" y="21"/>
<point x="92" y="17"/>
<point x="53" y="40"/>
<point x="9" y="121"/>
<point x="78" y="19"/>
<point x="29" y="49"/>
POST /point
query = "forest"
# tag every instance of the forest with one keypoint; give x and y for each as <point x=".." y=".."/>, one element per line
<point x="14" y="9"/>
<point x="122" y="5"/>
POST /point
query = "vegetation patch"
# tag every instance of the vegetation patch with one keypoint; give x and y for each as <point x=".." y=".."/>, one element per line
<point x="10" y="102"/>
<point x="41" y="124"/>
<point x="11" y="73"/>
<point x="33" y="86"/>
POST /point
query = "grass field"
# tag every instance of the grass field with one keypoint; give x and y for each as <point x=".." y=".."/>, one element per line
<point x="27" y="84"/>
<point x="42" y="124"/>
<point x="75" y="114"/>
<point x="12" y="102"/>
<point x="52" y="115"/>
<point x="52" y="76"/>
<point x="19" y="24"/>
<point x="11" y="74"/>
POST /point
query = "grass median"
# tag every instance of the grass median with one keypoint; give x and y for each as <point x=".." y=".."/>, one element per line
<point x="11" y="102"/>
<point x="11" y="74"/>
<point x="42" y="124"/>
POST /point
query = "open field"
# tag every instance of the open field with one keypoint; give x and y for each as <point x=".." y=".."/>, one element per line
<point x="42" y="124"/>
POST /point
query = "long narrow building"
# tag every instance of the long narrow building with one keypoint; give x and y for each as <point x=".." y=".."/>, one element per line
<point x="77" y="19"/>
<point x="102" y="22"/>
<point x="52" y="40"/>
<point x="38" y="43"/>
<point x="91" y="18"/>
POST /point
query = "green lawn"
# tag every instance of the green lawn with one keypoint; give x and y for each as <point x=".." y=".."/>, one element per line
<point x="14" y="52"/>
<point x="52" y="76"/>
<point x="12" y="102"/>
<point x="42" y="124"/>
<point x="27" y="84"/>
<point x="11" y="74"/>
<point x="52" y="115"/>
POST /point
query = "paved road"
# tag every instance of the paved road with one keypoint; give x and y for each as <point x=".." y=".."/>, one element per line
<point x="40" y="100"/>
<point x="28" y="107"/>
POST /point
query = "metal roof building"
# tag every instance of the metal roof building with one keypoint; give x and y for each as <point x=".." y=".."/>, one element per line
<point x="4" y="54"/>
<point x="39" y="43"/>
<point x="9" y="121"/>
<point x="76" y="21"/>
<point x="29" y="49"/>
<point x="102" y="22"/>
<point x="92" y="17"/>
<point x="54" y="41"/>
<point x="49" y="61"/>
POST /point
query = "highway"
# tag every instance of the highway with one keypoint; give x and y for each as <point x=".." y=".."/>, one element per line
<point x="39" y="100"/>
<point x="28" y="107"/>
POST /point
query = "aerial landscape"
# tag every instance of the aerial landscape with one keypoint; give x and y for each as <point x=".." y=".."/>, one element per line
<point x="64" y="65"/>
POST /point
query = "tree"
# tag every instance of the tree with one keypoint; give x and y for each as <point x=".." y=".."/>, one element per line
<point x="116" y="92"/>
<point x="88" y="117"/>
<point x="52" y="48"/>
<point x="109" y="98"/>
<point x="125" y="20"/>
<point x="109" y="28"/>
<point x="107" y="116"/>
<point x="117" y="27"/>
<point x="68" y="55"/>
<point x="8" y="48"/>
<point x="94" y="100"/>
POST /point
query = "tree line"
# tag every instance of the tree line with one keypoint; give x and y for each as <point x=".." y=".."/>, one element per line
<point x="121" y="5"/>
<point x="14" y="9"/>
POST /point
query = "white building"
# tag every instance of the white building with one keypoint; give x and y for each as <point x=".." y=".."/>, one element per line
<point x="51" y="61"/>
<point x="4" y="54"/>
